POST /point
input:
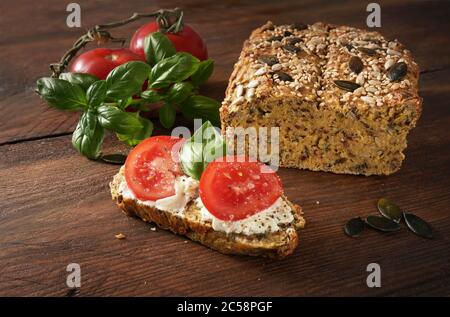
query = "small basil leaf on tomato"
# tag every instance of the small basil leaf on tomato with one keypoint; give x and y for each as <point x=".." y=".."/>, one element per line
<point x="127" y="79"/>
<point x="202" y="148"/>
<point x="178" y="92"/>
<point x="88" y="135"/>
<point x="174" y="69"/>
<point x="84" y="80"/>
<point x="61" y="94"/>
<point x="204" y="71"/>
<point x="117" y="120"/>
<point x="157" y="47"/>
<point x="96" y="93"/>
<point x="201" y="107"/>
<point x="151" y="96"/>
<point x="167" y="115"/>
<point x="135" y="138"/>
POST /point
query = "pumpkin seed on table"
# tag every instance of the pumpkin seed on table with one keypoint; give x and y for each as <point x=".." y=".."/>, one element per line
<point x="346" y="85"/>
<point x="354" y="227"/>
<point x="117" y="159"/>
<point x="397" y="71"/>
<point x="418" y="225"/>
<point x="382" y="224"/>
<point x="355" y="64"/>
<point x="389" y="210"/>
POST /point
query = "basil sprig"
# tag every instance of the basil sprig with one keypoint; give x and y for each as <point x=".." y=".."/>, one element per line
<point x="173" y="79"/>
<point x="202" y="148"/>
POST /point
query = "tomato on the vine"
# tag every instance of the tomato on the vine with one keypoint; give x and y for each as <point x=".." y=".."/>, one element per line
<point x="187" y="40"/>
<point x="100" y="61"/>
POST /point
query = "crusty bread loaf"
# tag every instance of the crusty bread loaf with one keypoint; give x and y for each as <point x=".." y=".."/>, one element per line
<point x="189" y="223"/>
<point x="344" y="98"/>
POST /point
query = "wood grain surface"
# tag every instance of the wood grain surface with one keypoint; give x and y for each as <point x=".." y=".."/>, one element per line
<point x="56" y="208"/>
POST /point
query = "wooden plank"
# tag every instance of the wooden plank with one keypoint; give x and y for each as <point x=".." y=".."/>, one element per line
<point x="56" y="210"/>
<point x="42" y="37"/>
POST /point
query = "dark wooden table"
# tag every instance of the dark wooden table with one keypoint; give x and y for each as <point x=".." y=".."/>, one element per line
<point x="56" y="209"/>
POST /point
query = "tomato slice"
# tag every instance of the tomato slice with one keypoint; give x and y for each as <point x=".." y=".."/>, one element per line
<point x="234" y="188"/>
<point x="150" y="168"/>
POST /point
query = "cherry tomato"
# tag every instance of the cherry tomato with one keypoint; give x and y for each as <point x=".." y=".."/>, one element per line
<point x="100" y="61"/>
<point x="236" y="188"/>
<point x="150" y="168"/>
<point x="185" y="41"/>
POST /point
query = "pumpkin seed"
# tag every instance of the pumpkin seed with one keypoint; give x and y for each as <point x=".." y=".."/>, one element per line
<point x="397" y="71"/>
<point x="294" y="40"/>
<point x="389" y="210"/>
<point x="367" y="51"/>
<point x="269" y="60"/>
<point x="299" y="26"/>
<point x="117" y="159"/>
<point x="291" y="48"/>
<point x="346" y="85"/>
<point x="355" y="64"/>
<point x="382" y="224"/>
<point x="275" y="38"/>
<point x="354" y="227"/>
<point x="418" y="225"/>
<point x="284" y="77"/>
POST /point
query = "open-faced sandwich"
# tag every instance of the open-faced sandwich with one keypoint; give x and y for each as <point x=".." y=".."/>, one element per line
<point x="232" y="204"/>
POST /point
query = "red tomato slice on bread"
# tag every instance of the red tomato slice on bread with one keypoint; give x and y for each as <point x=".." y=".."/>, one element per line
<point x="152" y="167"/>
<point x="234" y="188"/>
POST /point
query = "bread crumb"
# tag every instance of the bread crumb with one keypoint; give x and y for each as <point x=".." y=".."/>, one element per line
<point x="120" y="236"/>
<point x="317" y="202"/>
<point x="153" y="228"/>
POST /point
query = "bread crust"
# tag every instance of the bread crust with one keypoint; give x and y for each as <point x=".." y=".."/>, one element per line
<point x="274" y="245"/>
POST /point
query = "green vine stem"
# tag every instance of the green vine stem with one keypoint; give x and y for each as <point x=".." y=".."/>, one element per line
<point x="169" y="21"/>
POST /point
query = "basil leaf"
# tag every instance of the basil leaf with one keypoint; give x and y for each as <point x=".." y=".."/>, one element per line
<point x="88" y="135"/>
<point x="61" y="94"/>
<point x="151" y="96"/>
<point x="127" y="79"/>
<point x="157" y="47"/>
<point x="174" y="69"/>
<point x="167" y="115"/>
<point x="201" y="107"/>
<point x="82" y="79"/>
<point x="96" y="94"/>
<point x="204" y="71"/>
<point x="136" y="138"/>
<point x="117" y="120"/>
<point x="202" y="148"/>
<point x="179" y="92"/>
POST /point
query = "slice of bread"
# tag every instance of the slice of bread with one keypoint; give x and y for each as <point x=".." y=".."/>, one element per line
<point x="189" y="223"/>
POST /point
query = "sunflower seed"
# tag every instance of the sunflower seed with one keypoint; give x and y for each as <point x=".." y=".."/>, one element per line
<point x="397" y="71"/>
<point x="287" y="33"/>
<point x="349" y="47"/>
<point x="355" y="64"/>
<point x="299" y="26"/>
<point x="291" y="48"/>
<point x="269" y="60"/>
<point x="389" y="210"/>
<point x="418" y="225"/>
<point x="117" y="159"/>
<point x="367" y="51"/>
<point x="294" y="40"/>
<point x="283" y="76"/>
<point x="382" y="224"/>
<point x="354" y="227"/>
<point x="346" y="85"/>
<point x="275" y="38"/>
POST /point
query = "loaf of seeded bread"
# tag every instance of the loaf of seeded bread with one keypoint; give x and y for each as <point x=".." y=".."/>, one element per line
<point x="189" y="223"/>
<point x="343" y="98"/>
